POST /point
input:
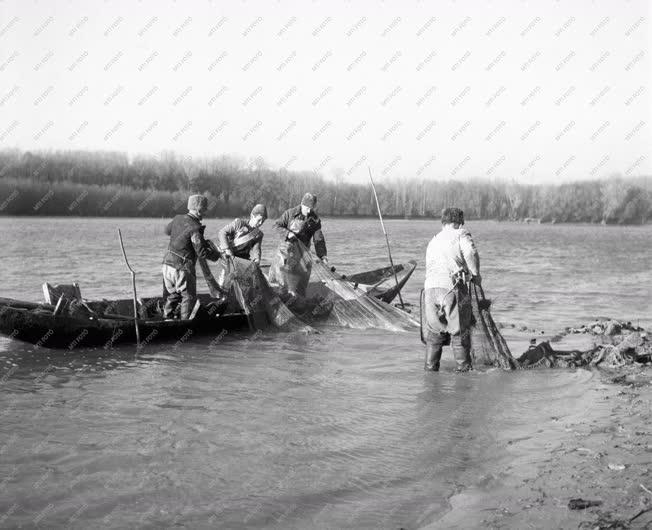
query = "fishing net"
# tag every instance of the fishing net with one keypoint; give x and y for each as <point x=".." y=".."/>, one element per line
<point x="488" y="346"/>
<point x="247" y="289"/>
<point x="315" y="294"/>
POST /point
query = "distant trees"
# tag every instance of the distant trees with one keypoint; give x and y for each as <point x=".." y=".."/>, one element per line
<point x="234" y="186"/>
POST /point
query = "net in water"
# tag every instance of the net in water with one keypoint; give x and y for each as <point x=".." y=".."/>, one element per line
<point x="488" y="346"/>
<point x="327" y="298"/>
<point x="248" y="290"/>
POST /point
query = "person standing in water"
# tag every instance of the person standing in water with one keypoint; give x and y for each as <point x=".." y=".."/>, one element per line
<point x="451" y="260"/>
<point x="300" y="224"/>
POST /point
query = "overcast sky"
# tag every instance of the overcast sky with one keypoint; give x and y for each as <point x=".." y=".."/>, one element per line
<point x="543" y="91"/>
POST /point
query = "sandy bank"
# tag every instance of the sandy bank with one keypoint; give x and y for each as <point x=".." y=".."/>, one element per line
<point x="602" y="452"/>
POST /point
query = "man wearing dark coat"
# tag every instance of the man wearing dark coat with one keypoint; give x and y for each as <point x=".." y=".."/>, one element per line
<point x="297" y="227"/>
<point x="187" y="243"/>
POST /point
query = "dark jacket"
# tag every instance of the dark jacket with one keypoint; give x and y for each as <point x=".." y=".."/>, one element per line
<point x="306" y="228"/>
<point x="186" y="242"/>
<point x="229" y="235"/>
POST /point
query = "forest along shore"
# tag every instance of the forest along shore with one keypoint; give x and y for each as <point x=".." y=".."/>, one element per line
<point x="112" y="184"/>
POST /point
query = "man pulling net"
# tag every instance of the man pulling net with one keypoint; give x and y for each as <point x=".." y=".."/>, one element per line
<point x="297" y="227"/>
<point x="241" y="238"/>
<point x="451" y="257"/>
<point x="453" y="307"/>
<point x="331" y="300"/>
<point x="186" y="246"/>
<point x="326" y="299"/>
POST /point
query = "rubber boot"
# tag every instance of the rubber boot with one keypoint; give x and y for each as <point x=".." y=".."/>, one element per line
<point x="171" y="305"/>
<point x="433" y="356"/>
<point x="461" y="346"/>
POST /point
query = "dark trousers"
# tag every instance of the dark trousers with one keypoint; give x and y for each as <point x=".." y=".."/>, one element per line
<point x="182" y="288"/>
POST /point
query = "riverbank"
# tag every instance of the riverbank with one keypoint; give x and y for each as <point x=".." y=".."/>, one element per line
<point x="601" y="451"/>
<point x="67" y="199"/>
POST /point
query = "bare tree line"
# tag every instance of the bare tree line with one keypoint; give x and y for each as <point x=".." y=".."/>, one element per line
<point x="111" y="184"/>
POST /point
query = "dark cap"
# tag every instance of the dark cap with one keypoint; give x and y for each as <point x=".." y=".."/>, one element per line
<point x="259" y="209"/>
<point x="452" y="216"/>
<point x="309" y="200"/>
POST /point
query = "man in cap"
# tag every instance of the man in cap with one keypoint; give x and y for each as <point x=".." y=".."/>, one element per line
<point x="187" y="243"/>
<point x="298" y="224"/>
<point x="242" y="238"/>
<point x="451" y="259"/>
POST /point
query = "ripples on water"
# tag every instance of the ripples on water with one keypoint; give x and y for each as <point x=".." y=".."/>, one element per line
<point x="340" y="429"/>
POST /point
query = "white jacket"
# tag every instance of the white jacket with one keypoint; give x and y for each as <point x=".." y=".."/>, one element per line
<point x="449" y="251"/>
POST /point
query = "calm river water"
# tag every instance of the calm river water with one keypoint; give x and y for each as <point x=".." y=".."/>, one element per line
<point x="336" y="430"/>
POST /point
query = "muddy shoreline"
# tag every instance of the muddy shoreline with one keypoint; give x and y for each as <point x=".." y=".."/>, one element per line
<point x="604" y="454"/>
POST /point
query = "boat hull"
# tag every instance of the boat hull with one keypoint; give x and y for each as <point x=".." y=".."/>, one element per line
<point x="39" y="325"/>
<point x="383" y="284"/>
<point x="43" y="329"/>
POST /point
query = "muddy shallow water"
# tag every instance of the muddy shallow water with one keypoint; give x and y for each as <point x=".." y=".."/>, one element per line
<point x="340" y="429"/>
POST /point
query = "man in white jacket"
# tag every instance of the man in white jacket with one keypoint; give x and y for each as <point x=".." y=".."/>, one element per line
<point x="451" y="261"/>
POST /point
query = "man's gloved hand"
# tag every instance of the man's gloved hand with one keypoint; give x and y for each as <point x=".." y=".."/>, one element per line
<point x="324" y="260"/>
<point x="477" y="279"/>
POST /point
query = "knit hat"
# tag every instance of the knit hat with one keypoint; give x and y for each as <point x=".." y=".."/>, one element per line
<point x="196" y="202"/>
<point x="259" y="209"/>
<point x="309" y="200"/>
<point x="452" y="216"/>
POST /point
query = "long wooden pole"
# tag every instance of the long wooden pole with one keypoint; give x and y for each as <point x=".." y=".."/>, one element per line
<point x="133" y="287"/>
<point x="389" y="250"/>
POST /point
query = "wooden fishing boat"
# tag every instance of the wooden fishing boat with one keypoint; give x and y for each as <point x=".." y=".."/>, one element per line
<point x="104" y="323"/>
<point x="381" y="283"/>
<point x="110" y="322"/>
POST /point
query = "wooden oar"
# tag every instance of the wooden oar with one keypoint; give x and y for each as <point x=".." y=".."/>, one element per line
<point x="389" y="250"/>
<point x="133" y="287"/>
